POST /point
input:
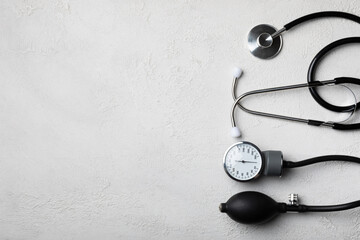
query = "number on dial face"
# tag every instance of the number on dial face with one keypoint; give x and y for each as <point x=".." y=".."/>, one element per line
<point x="243" y="161"/>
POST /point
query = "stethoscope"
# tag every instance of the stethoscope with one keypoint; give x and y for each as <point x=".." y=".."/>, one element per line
<point x="265" y="42"/>
<point x="244" y="161"/>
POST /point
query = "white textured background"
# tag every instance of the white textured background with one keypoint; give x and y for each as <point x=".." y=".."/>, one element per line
<point x="114" y="118"/>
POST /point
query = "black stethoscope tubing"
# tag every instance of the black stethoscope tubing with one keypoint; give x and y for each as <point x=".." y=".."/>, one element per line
<point x="312" y="83"/>
<point x="312" y="72"/>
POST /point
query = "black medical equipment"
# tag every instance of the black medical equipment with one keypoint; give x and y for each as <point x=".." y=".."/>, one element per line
<point x="244" y="161"/>
<point x="255" y="207"/>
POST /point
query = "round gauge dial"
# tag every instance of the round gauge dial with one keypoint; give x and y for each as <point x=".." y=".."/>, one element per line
<point x="243" y="161"/>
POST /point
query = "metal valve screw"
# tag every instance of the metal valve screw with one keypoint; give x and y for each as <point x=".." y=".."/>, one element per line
<point x="293" y="199"/>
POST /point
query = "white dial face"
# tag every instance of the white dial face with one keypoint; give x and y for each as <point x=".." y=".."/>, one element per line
<point x="243" y="161"/>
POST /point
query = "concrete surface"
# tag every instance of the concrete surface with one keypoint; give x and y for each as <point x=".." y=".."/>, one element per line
<point x="115" y="118"/>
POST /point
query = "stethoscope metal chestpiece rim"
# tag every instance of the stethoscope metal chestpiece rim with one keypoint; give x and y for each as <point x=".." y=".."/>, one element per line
<point x="261" y="44"/>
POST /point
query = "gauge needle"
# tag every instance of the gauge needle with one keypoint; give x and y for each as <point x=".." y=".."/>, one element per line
<point x="244" y="161"/>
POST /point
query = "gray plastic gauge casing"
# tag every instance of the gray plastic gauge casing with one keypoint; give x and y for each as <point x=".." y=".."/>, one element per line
<point x="273" y="161"/>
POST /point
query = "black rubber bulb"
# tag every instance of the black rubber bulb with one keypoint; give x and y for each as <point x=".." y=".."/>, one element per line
<point x="251" y="207"/>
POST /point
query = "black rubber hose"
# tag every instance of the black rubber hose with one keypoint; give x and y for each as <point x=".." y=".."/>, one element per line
<point x="316" y="60"/>
<point x="333" y="208"/>
<point x="340" y="126"/>
<point x="312" y="71"/>
<point x="328" y="208"/>
<point x="321" y="15"/>
<point x="327" y="158"/>
<point x="340" y="80"/>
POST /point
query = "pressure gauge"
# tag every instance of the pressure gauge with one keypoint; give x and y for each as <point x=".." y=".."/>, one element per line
<point x="244" y="161"/>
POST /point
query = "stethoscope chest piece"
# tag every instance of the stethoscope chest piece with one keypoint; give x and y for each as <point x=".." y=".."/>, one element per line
<point x="262" y="44"/>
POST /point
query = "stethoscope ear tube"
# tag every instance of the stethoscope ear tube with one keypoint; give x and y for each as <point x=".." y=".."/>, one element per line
<point x="312" y="72"/>
<point x="310" y="85"/>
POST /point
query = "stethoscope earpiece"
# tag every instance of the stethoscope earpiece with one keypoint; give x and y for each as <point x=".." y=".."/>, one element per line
<point x="237" y="72"/>
<point x="235" y="132"/>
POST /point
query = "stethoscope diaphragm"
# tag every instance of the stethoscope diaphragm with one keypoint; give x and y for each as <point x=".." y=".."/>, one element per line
<point x="261" y="42"/>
